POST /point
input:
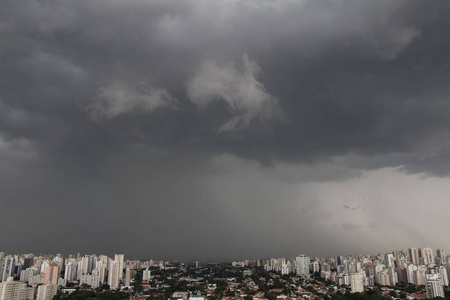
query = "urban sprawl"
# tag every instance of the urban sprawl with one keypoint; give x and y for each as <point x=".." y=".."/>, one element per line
<point x="418" y="273"/>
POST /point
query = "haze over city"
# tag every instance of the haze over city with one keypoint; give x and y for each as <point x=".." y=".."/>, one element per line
<point x="224" y="130"/>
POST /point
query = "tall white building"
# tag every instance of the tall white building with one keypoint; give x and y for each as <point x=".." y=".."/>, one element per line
<point x="119" y="257"/>
<point x="393" y="279"/>
<point x="146" y="275"/>
<point x="46" y="292"/>
<point x="26" y="274"/>
<point x="356" y="283"/>
<point x="85" y="264"/>
<point x="346" y="279"/>
<point x="69" y="271"/>
<point x="44" y="266"/>
<point x="113" y="274"/>
<point x="92" y="280"/>
<point x="27" y="293"/>
<point x="414" y="255"/>
<point x="315" y="266"/>
<point x="15" y="290"/>
<point x="410" y="276"/>
<point x="420" y="277"/>
<point x="302" y="264"/>
<point x="426" y="255"/>
<point x="102" y="273"/>
<point x="285" y="269"/>
<point x="127" y="277"/>
<point x="389" y="259"/>
<point x="383" y="278"/>
<point x="444" y="275"/>
<point x="434" y="286"/>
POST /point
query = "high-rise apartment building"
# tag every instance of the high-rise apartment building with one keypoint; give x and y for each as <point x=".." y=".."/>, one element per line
<point x="410" y="269"/>
<point x="84" y="264"/>
<point x="127" y="277"/>
<point x="389" y="260"/>
<point x="302" y="264"/>
<point x="8" y="267"/>
<point x="414" y="255"/>
<point x="444" y="274"/>
<point x="434" y="286"/>
<point x="426" y="255"/>
<point x="15" y="290"/>
<point x="146" y="275"/>
<point x="356" y="282"/>
<point x="113" y="274"/>
<point x="51" y="274"/>
<point x="440" y="256"/>
<point x="93" y="280"/>
<point x="420" y="277"/>
<point x="46" y="292"/>
<point x="119" y="257"/>
<point x="102" y="273"/>
<point x="69" y="271"/>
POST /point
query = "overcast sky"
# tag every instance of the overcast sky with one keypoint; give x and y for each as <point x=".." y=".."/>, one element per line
<point x="225" y="129"/>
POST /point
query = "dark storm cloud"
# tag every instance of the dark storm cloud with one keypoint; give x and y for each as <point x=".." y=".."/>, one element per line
<point x="362" y="78"/>
<point x="89" y="89"/>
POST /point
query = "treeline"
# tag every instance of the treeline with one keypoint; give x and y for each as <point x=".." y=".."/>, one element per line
<point x="91" y="295"/>
<point x="360" y="296"/>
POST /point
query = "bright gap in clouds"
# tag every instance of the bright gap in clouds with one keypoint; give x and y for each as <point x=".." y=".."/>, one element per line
<point x="368" y="212"/>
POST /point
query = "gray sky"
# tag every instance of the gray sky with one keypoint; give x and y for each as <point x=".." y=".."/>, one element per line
<point x="217" y="130"/>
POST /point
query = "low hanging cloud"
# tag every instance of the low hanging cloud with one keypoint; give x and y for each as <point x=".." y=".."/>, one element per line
<point x="246" y="97"/>
<point x="118" y="98"/>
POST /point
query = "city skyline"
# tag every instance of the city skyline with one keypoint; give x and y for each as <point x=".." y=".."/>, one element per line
<point x="218" y="130"/>
<point x="415" y="273"/>
<point x="298" y="253"/>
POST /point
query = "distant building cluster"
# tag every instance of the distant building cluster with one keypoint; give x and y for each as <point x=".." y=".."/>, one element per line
<point x="30" y="277"/>
<point x="417" y="266"/>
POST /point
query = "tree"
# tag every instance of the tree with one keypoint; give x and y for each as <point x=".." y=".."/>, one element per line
<point x="270" y="296"/>
<point x="85" y="286"/>
<point x="137" y="286"/>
